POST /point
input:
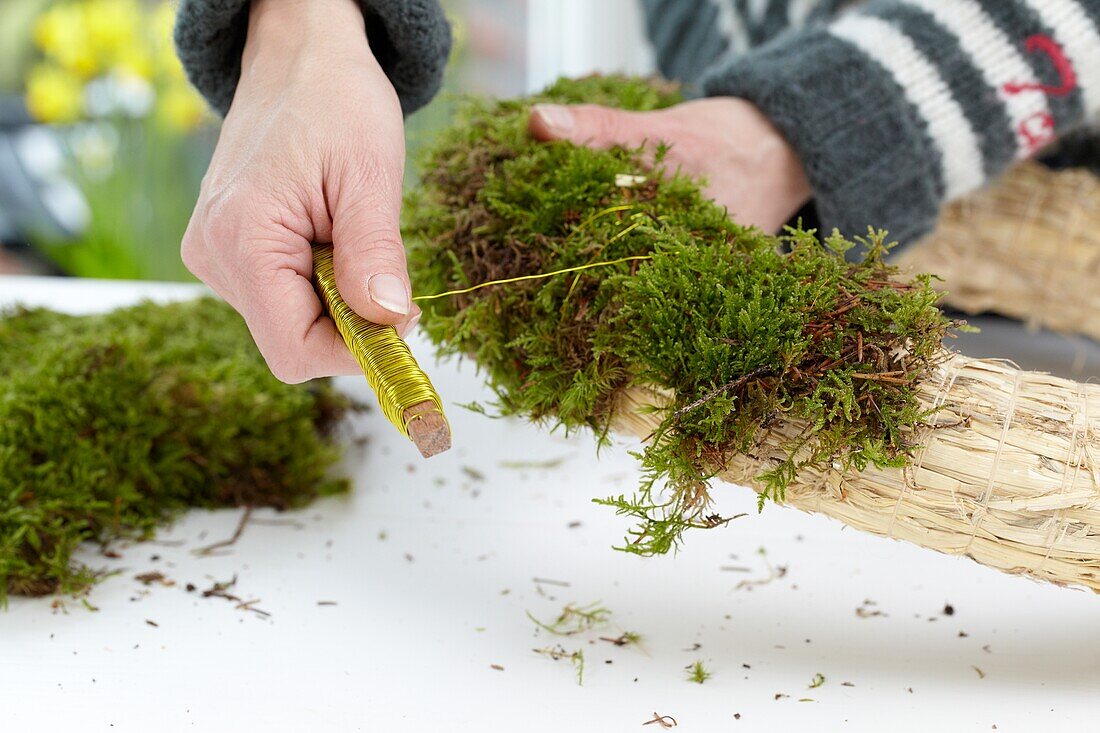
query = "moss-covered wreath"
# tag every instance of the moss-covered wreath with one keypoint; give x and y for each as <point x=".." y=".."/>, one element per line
<point x="740" y="327"/>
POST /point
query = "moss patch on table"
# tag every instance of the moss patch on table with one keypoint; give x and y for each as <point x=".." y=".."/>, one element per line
<point x="113" y="424"/>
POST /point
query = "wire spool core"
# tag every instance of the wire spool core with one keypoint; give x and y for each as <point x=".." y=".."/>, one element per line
<point x="405" y="394"/>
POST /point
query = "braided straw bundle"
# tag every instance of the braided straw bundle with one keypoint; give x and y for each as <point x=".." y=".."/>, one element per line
<point x="1028" y="247"/>
<point x="1009" y="477"/>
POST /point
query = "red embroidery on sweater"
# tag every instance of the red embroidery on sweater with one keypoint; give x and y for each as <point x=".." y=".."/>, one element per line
<point x="1036" y="131"/>
<point x="1062" y="65"/>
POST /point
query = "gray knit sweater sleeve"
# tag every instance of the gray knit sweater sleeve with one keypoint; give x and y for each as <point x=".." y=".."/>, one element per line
<point x="690" y="35"/>
<point x="410" y="38"/>
<point x="896" y="106"/>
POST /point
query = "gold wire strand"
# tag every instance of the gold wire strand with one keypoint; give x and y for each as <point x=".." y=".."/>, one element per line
<point x="623" y="233"/>
<point x="602" y="212"/>
<point x="537" y="276"/>
<point x="389" y="366"/>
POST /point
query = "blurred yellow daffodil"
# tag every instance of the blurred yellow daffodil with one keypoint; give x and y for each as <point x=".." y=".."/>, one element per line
<point x="54" y="94"/>
<point x="164" y="50"/>
<point x="61" y="35"/>
<point x="135" y="60"/>
<point x="180" y="109"/>
<point x="88" y="43"/>
<point x="113" y="28"/>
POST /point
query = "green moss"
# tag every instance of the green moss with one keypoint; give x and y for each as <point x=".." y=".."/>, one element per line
<point x="113" y="424"/>
<point x="744" y="328"/>
<point x="698" y="674"/>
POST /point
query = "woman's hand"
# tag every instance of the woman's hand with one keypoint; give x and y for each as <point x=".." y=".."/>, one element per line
<point x="312" y="150"/>
<point x="750" y="169"/>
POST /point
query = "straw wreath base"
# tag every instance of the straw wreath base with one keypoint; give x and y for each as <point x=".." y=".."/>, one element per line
<point x="1007" y="474"/>
<point x="1027" y="247"/>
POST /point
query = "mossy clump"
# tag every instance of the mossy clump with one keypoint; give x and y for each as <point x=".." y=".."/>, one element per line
<point x="112" y="424"/>
<point x="742" y="327"/>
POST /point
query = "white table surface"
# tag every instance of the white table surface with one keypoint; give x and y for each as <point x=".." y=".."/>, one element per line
<point x="422" y="614"/>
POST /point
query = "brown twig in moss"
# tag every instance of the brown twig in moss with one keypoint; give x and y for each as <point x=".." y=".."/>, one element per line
<point x="727" y="387"/>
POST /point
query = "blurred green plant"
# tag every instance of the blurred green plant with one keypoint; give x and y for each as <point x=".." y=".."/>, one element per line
<point x="138" y="136"/>
<point x="425" y="124"/>
<point x="16" y="44"/>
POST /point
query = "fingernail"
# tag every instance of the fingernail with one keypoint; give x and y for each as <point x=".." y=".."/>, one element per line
<point x="410" y="326"/>
<point x="557" y="120"/>
<point x="389" y="292"/>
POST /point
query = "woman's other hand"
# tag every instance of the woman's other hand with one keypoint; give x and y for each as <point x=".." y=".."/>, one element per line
<point x="749" y="168"/>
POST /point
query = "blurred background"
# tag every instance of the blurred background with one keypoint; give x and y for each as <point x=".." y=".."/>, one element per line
<point x="102" y="141"/>
<point x="103" y="144"/>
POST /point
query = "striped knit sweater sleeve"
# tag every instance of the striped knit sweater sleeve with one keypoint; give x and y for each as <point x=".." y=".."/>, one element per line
<point x="899" y="105"/>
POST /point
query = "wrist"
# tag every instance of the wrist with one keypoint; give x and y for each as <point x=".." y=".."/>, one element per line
<point x="281" y="31"/>
<point x="795" y="186"/>
<point x="788" y="187"/>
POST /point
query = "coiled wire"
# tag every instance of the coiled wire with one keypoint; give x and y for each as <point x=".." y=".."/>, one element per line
<point x="389" y="366"/>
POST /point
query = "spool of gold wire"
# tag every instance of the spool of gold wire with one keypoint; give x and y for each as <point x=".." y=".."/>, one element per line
<point x="405" y="394"/>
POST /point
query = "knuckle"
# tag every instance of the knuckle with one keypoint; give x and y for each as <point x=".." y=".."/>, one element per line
<point x="383" y="244"/>
<point x="256" y="259"/>
<point x="369" y="195"/>
<point x="193" y="251"/>
<point x="256" y="264"/>
<point x="225" y="213"/>
<point x="193" y="260"/>
<point x="374" y="254"/>
<point x="217" y="223"/>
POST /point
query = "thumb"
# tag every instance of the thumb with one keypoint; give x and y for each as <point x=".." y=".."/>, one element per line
<point x="369" y="257"/>
<point x="590" y="125"/>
